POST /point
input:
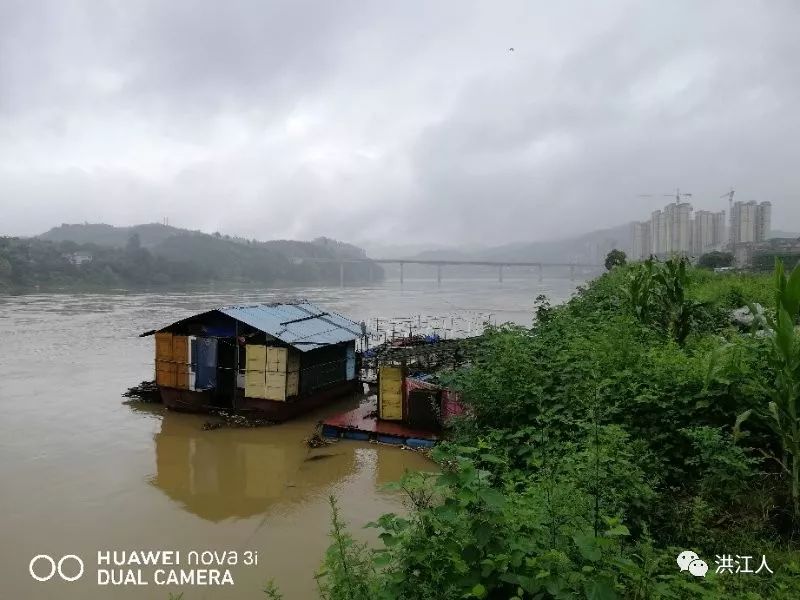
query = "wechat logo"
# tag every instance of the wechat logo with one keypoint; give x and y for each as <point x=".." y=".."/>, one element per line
<point x="689" y="561"/>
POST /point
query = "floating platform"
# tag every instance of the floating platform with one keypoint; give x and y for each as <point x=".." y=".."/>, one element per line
<point x="362" y="423"/>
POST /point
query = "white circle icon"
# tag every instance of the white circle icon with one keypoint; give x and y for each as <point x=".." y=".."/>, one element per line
<point x="80" y="567"/>
<point x="46" y="558"/>
<point x="55" y="567"/>
<point x="685" y="558"/>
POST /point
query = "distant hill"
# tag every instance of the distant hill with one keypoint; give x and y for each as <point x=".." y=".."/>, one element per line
<point x="150" y="234"/>
<point x="155" y="254"/>
<point x="589" y="248"/>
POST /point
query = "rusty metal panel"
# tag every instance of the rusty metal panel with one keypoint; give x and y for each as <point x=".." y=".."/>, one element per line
<point x="390" y="393"/>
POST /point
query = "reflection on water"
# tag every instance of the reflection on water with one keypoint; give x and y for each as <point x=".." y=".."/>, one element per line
<point x="224" y="474"/>
<point x="81" y="471"/>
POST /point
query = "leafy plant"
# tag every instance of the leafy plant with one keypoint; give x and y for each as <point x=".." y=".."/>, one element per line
<point x="784" y="408"/>
<point x="615" y="258"/>
<point x="348" y="572"/>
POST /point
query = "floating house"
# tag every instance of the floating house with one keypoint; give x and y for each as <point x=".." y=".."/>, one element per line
<point x="410" y="411"/>
<point x="417" y="401"/>
<point x="275" y="360"/>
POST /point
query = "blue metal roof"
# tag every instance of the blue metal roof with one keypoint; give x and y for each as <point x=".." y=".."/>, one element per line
<point x="302" y="325"/>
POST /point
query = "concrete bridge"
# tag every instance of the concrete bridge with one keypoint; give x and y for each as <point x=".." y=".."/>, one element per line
<point x="439" y="263"/>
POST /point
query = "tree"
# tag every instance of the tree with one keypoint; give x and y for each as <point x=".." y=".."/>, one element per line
<point x="5" y="268"/>
<point x="134" y="243"/>
<point x="715" y="260"/>
<point x="615" y="258"/>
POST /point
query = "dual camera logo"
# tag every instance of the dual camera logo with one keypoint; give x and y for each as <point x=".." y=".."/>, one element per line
<point x="689" y="561"/>
<point x="40" y="572"/>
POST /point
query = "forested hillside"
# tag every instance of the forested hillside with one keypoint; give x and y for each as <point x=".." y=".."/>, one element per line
<point x="158" y="255"/>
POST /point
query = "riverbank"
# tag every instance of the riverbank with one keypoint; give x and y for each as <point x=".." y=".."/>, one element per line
<point x="626" y="426"/>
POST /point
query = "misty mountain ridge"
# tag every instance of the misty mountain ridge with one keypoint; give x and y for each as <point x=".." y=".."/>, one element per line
<point x="589" y="248"/>
<point x="166" y="239"/>
<point x="156" y="254"/>
<point x="174" y="242"/>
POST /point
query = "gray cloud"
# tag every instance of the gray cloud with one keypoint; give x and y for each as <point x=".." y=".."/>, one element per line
<point x="399" y="122"/>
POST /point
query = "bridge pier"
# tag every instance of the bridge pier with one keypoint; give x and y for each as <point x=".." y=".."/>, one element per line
<point x="541" y="272"/>
<point x="401" y="273"/>
<point x="500" y="274"/>
<point x="439" y="274"/>
<point x="341" y="274"/>
<point x="572" y="272"/>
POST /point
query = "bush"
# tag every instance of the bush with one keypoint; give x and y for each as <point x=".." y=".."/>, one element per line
<point x="623" y="427"/>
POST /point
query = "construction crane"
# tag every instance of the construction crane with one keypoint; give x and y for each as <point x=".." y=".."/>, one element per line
<point x="731" y="234"/>
<point x="729" y="196"/>
<point x="678" y="195"/>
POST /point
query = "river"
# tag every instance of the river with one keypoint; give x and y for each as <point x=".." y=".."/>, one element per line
<point x="82" y="472"/>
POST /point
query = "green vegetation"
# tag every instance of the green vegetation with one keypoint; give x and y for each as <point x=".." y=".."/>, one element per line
<point x="155" y="255"/>
<point x="615" y="258"/>
<point x="630" y="424"/>
<point x="763" y="261"/>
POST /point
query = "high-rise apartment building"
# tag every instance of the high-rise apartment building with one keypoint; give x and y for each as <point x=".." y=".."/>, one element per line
<point x="658" y="233"/>
<point x="750" y="222"/>
<point x="763" y="221"/>
<point x="679" y="218"/>
<point x="702" y="231"/>
<point x="642" y="246"/>
<point x="673" y="231"/>
<point x="718" y="227"/>
<point x="708" y="231"/>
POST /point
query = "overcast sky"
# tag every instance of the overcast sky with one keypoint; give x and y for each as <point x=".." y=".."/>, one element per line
<point x="390" y="121"/>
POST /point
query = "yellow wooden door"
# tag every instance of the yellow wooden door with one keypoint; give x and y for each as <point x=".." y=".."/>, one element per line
<point x="166" y="373"/>
<point x="390" y="393"/>
<point x="180" y="356"/>
<point x="255" y="358"/>
<point x="276" y="386"/>
<point x="276" y="359"/>
<point x="163" y="346"/>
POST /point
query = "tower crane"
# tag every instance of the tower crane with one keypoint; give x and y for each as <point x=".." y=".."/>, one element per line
<point x="729" y="195"/>
<point x="678" y="195"/>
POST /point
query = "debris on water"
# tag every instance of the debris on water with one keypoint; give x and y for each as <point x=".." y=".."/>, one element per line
<point x="318" y="441"/>
<point x="235" y="421"/>
<point x="146" y="391"/>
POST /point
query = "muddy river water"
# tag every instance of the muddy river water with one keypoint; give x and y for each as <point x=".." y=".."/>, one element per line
<point x="81" y="472"/>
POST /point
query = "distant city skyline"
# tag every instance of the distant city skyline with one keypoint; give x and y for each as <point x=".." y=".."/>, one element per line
<point x="674" y="230"/>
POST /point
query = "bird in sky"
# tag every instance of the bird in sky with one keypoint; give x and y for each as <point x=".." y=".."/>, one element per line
<point x="511" y="49"/>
